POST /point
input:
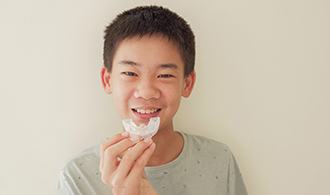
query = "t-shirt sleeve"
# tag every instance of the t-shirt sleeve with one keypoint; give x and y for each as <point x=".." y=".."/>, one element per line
<point x="65" y="186"/>
<point x="236" y="184"/>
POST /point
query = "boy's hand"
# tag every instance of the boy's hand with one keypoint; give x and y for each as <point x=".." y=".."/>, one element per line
<point x="126" y="177"/>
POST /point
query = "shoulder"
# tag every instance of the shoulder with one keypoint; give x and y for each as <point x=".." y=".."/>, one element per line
<point x="80" y="175"/>
<point x="199" y="141"/>
<point x="87" y="159"/>
<point x="208" y="148"/>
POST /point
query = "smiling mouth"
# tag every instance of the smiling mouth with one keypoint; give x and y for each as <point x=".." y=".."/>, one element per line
<point x="146" y="111"/>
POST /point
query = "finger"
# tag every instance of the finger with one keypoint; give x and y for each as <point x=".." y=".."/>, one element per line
<point x="144" y="175"/>
<point x="129" y="159"/>
<point x="115" y="139"/>
<point x="110" y="161"/>
<point x="138" y="168"/>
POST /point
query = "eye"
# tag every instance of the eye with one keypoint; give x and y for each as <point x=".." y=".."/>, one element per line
<point x="130" y="74"/>
<point x="165" y="76"/>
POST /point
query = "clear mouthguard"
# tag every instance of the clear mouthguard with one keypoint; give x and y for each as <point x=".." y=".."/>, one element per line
<point x="143" y="131"/>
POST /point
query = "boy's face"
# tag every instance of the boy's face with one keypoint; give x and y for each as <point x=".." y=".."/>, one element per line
<point x="147" y="80"/>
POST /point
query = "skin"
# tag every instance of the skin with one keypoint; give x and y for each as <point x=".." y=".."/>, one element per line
<point x="147" y="72"/>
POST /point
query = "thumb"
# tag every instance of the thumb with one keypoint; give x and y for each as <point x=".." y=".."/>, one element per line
<point x="144" y="176"/>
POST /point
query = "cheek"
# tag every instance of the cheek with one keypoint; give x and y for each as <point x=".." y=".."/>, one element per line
<point x="121" y="95"/>
<point x="172" y="95"/>
<point x="122" y="90"/>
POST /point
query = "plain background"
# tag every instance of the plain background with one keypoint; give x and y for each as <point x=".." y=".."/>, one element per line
<point x="262" y="88"/>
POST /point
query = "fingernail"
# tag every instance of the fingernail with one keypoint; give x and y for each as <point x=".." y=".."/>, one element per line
<point x="152" y="146"/>
<point x="134" y="139"/>
<point x="148" y="140"/>
<point x="124" y="133"/>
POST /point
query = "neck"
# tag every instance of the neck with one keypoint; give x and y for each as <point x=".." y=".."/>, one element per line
<point x="169" y="145"/>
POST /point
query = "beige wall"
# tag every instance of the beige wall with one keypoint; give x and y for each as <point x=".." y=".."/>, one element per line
<point x="263" y="88"/>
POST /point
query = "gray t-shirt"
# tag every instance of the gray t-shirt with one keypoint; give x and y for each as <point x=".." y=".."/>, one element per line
<point x="204" y="166"/>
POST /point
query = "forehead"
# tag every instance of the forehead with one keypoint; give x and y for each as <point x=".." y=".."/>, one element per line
<point x="148" y="51"/>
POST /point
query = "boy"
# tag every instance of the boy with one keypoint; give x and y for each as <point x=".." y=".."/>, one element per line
<point x="149" y="55"/>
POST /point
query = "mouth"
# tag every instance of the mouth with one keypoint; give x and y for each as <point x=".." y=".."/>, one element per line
<point x="146" y="113"/>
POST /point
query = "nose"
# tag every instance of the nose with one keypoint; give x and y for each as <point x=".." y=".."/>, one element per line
<point x="147" y="90"/>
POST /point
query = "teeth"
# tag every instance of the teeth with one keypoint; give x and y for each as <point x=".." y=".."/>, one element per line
<point x="147" y="111"/>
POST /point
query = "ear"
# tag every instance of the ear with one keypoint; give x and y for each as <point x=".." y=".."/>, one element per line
<point x="189" y="83"/>
<point x="105" y="78"/>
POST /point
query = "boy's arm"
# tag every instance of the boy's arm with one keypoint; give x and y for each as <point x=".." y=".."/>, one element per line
<point x="236" y="184"/>
<point x="147" y="188"/>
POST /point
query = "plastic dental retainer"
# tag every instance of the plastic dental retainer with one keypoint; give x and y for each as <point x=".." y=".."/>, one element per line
<point x="141" y="131"/>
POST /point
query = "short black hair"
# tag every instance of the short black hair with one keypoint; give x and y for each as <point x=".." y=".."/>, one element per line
<point x="150" y="20"/>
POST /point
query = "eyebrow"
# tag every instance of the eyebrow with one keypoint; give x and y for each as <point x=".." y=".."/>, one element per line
<point x="169" y="65"/>
<point x="128" y="62"/>
<point x="163" y="66"/>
